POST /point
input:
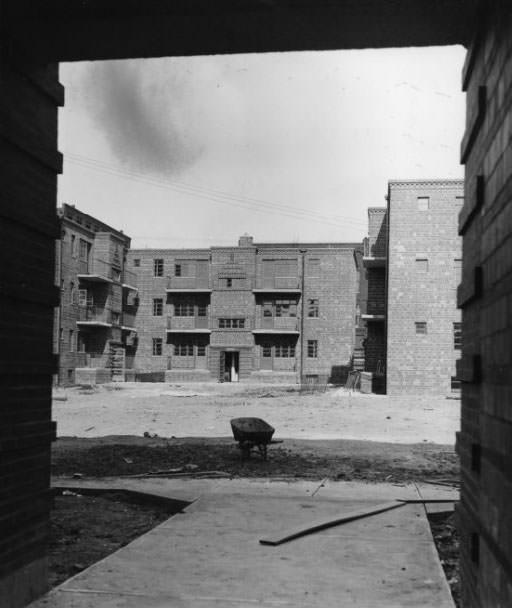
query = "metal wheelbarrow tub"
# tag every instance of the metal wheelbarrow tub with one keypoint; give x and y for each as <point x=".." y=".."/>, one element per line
<point x="252" y="433"/>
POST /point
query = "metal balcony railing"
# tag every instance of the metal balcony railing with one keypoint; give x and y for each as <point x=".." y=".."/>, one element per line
<point x="129" y="278"/>
<point x="276" y="283"/>
<point x="277" y="323"/>
<point x="188" y="323"/>
<point x="128" y="319"/>
<point x="94" y="314"/>
<point x="98" y="270"/>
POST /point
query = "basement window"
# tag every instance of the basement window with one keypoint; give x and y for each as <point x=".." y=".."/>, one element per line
<point x="421" y="327"/>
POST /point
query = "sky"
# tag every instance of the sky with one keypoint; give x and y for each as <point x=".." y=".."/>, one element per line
<point x="289" y="147"/>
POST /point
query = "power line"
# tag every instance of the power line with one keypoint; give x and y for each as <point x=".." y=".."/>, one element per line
<point x="253" y="204"/>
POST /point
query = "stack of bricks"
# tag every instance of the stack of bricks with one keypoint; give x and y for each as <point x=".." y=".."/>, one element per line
<point x="485" y="440"/>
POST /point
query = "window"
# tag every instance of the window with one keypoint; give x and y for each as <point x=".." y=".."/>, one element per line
<point x="313" y="267"/>
<point x="136" y="262"/>
<point x="229" y="282"/>
<point x="71" y="292"/>
<point x="231" y="323"/>
<point x="266" y="350"/>
<point x="157" y="347"/>
<point x="421" y="327"/>
<point x="457" y="335"/>
<point x="423" y="203"/>
<point x="457" y="269"/>
<point x="267" y="309"/>
<point x="71" y="341"/>
<point x="312" y="308"/>
<point x="201" y="350"/>
<point x="82" y="297"/>
<point x="286" y="308"/>
<point x="116" y="318"/>
<point x="455" y="384"/>
<point x="177" y="270"/>
<point x="73" y="245"/>
<point x="312" y="349"/>
<point x="158" y="267"/>
<point x="85" y="248"/>
<point x="202" y="310"/>
<point x="284" y="350"/>
<point x="185" y="349"/>
<point x="421" y="265"/>
<point x="81" y="343"/>
<point x="286" y="268"/>
<point x="158" y="307"/>
<point x="184" y="308"/>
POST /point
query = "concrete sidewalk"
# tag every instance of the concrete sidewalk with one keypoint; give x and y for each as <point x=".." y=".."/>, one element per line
<point x="210" y="555"/>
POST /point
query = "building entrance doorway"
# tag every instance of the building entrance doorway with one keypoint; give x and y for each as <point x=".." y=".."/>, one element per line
<point x="231" y="366"/>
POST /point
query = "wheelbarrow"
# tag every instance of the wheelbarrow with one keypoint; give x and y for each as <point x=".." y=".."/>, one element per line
<point x="252" y="433"/>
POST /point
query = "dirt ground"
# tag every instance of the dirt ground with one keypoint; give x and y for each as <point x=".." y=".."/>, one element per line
<point x="204" y="410"/>
<point x="183" y="430"/>
<point x="294" y="458"/>
<point x="85" y="529"/>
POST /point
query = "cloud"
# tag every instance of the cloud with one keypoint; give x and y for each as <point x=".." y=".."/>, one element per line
<point x="142" y="109"/>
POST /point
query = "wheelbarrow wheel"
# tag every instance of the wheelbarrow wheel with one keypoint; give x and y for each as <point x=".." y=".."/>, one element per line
<point x="245" y="450"/>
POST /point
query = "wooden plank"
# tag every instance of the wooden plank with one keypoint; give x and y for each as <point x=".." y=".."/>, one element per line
<point x="323" y="525"/>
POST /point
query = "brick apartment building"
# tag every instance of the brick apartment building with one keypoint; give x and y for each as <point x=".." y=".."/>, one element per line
<point x="94" y="326"/>
<point x="413" y="262"/>
<point x="267" y="312"/>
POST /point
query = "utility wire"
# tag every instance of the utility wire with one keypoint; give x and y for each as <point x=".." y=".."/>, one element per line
<point x="254" y="204"/>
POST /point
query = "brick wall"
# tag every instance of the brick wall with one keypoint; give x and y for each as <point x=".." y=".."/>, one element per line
<point x="484" y="443"/>
<point x="377" y="232"/>
<point x="422" y="276"/>
<point x="331" y="278"/>
<point x="335" y="285"/>
<point x="108" y="247"/>
<point x="28" y="230"/>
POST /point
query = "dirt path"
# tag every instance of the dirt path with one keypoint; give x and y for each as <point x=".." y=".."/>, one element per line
<point x="199" y="410"/>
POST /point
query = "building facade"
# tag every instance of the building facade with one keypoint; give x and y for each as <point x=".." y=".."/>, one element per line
<point x="258" y="312"/>
<point x="413" y="263"/>
<point x="94" y="328"/>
